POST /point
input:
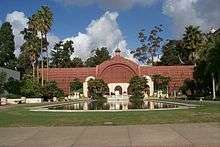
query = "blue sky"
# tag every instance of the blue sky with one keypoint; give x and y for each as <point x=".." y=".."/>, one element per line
<point x="73" y="16"/>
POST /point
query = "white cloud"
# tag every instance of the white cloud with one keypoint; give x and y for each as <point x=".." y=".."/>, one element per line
<point x="109" y="4"/>
<point x="204" y="13"/>
<point x="18" y="20"/>
<point x="52" y="39"/>
<point x="103" y="32"/>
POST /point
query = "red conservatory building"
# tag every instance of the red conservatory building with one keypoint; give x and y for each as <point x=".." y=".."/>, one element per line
<point x="117" y="72"/>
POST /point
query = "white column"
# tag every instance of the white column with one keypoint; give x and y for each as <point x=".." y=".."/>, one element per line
<point x="213" y="86"/>
<point x="85" y="106"/>
<point x="151" y="105"/>
<point x="85" y="89"/>
<point x="117" y="106"/>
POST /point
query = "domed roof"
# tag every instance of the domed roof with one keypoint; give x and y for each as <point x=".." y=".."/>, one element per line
<point x="117" y="68"/>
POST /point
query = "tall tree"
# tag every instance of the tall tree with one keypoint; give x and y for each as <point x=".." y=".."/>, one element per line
<point x="31" y="47"/>
<point x="150" y="45"/>
<point x="42" y="22"/>
<point x="193" y="41"/>
<point x="212" y="62"/>
<point x="7" y="46"/>
<point x="170" y="53"/>
<point x="207" y="71"/>
<point x="100" y="56"/>
<point x="60" y="55"/>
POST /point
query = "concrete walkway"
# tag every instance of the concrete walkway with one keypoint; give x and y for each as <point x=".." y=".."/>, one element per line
<point x="205" y="134"/>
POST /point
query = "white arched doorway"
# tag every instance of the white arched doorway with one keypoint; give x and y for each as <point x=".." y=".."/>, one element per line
<point x="150" y="83"/>
<point x="85" y="85"/>
<point x="113" y="86"/>
<point x="118" y="90"/>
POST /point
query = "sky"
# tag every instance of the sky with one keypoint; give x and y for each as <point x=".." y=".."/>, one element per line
<point x="111" y="23"/>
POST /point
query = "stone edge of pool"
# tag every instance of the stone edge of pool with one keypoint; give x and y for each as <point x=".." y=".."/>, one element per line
<point x="181" y="106"/>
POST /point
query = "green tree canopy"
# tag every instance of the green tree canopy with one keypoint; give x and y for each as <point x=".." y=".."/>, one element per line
<point x="137" y="87"/>
<point x="100" y="56"/>
<point x="171" y="53"/>
<point x="42" y="21"/>
<point x="208" y="64"/>
<point x="193" y="40"/>
<point x="96" y="89"/>
<point x="77" y="62"/>
<point x="207" y="51"/>
<point x="213" y="57"/>
<point x="60" y="55"/>
<point x="150" y="45"/>
<point x="30" y="50"/>
<point x="7" y="46"/>
<point x="31" y="87"/>
<point x="186" y="50"/>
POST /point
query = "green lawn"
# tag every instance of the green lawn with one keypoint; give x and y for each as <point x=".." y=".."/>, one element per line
<point x="21" y="116"/>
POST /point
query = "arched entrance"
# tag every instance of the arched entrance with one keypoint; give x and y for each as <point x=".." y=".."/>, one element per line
<point x="85" y="85"/>
<point x="150" y="87"/>
<point x="119" y="89"/>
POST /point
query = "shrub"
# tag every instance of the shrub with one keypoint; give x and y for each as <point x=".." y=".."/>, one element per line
<point x="97" y="88"/>
<point x="137" y="87"/>
<point x="31" y="88"/>
<point x="189" y="87"/>
<point x="13" y="86"/>
<point x="51" y="90"/>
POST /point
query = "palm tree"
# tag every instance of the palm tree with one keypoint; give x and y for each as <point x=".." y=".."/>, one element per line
<point x="33" y="55"/>
<point x="193" y="41"/>
<point x="43" y="22"/>
<point x="32" y="47"/>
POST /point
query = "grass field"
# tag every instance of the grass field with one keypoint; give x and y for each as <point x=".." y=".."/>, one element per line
<point x="20" y="116"/>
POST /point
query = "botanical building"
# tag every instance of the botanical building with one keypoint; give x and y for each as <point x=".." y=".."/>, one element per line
<point x="117" y="72"/>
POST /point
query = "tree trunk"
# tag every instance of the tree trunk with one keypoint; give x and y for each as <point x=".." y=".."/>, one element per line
<point x="37" y="71"/>
<point x="47" y="64"/>
<point x="33" y="69"/>
<point x="33" y="66"/>
<point x="47" y="57"/>
<point x="42" y="61"/>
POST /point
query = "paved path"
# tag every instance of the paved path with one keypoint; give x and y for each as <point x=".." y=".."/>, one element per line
<point x="206" y="134"/>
